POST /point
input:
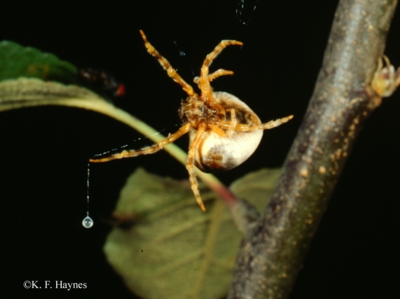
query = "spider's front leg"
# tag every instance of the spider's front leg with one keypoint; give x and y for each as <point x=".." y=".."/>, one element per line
<point x="204" y="81"/>
<point x="167" y="66"/>
<point x="213" y="76"/>
<point x="190" y="165"/>
<point x="147" y="150"/>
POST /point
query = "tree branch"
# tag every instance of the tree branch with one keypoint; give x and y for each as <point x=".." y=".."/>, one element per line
<point x="271" y="257"/>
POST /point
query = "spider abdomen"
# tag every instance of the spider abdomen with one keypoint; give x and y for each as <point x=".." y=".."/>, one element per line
<point x="216" y="153"/>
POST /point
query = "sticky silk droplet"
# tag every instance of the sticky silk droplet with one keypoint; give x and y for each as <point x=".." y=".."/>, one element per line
<point x="87" y="222"/>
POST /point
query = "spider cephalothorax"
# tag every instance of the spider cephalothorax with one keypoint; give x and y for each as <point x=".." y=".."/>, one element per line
<point x="223" y="131"/>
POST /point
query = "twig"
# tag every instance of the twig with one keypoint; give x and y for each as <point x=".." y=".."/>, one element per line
<point x="270" y="259"/>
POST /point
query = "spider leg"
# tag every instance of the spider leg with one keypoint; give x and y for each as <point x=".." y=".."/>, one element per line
<point x="248" y="128"/>
<point x="190" y="165"/>
<point x="219" y="73"/>
<point x="232" y="123"/>
<point x="218" y="49"/>
<point x="167" y="66"/>
<point x="275" y="123"/>
<point x="213" y="76"/>
<point x="217" y="130"/>
<point x="206" y="90"/>
<point x="147" y="150"/>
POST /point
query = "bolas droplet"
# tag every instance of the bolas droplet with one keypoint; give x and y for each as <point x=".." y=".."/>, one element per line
<point x="87" y="222"/>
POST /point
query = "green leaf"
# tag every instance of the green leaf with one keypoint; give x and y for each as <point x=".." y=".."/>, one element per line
<point x="172" y="249"/>
<point x="17" y="61"/>
<point x="26" y="92"/>
<point x="256" y="186"/>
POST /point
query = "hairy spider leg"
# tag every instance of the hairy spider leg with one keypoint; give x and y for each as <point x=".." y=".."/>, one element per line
<point x="190" y="164"/>
<point x="219" y="73"/>
<point x="147" y="150"/>
<point x="249" y="128"/>
<point x="167" y="66"/>
<point x="213" y="76"/>
<point x="269" y="125"/>
<point x="232" y="123"/>
<point x="206" y="90"/>
<point x="217" y="130"/>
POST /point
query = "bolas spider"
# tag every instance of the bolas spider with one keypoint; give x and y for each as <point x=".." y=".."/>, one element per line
<point x="223" y="131"/>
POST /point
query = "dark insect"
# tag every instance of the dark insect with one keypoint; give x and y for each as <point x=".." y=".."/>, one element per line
<point x="102" y="80"/>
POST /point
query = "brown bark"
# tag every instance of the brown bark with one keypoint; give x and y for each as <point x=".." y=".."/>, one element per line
<point x="270" y="259"/>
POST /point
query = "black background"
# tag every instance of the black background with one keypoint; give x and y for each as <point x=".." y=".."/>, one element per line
<point x="44" y="151"/>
